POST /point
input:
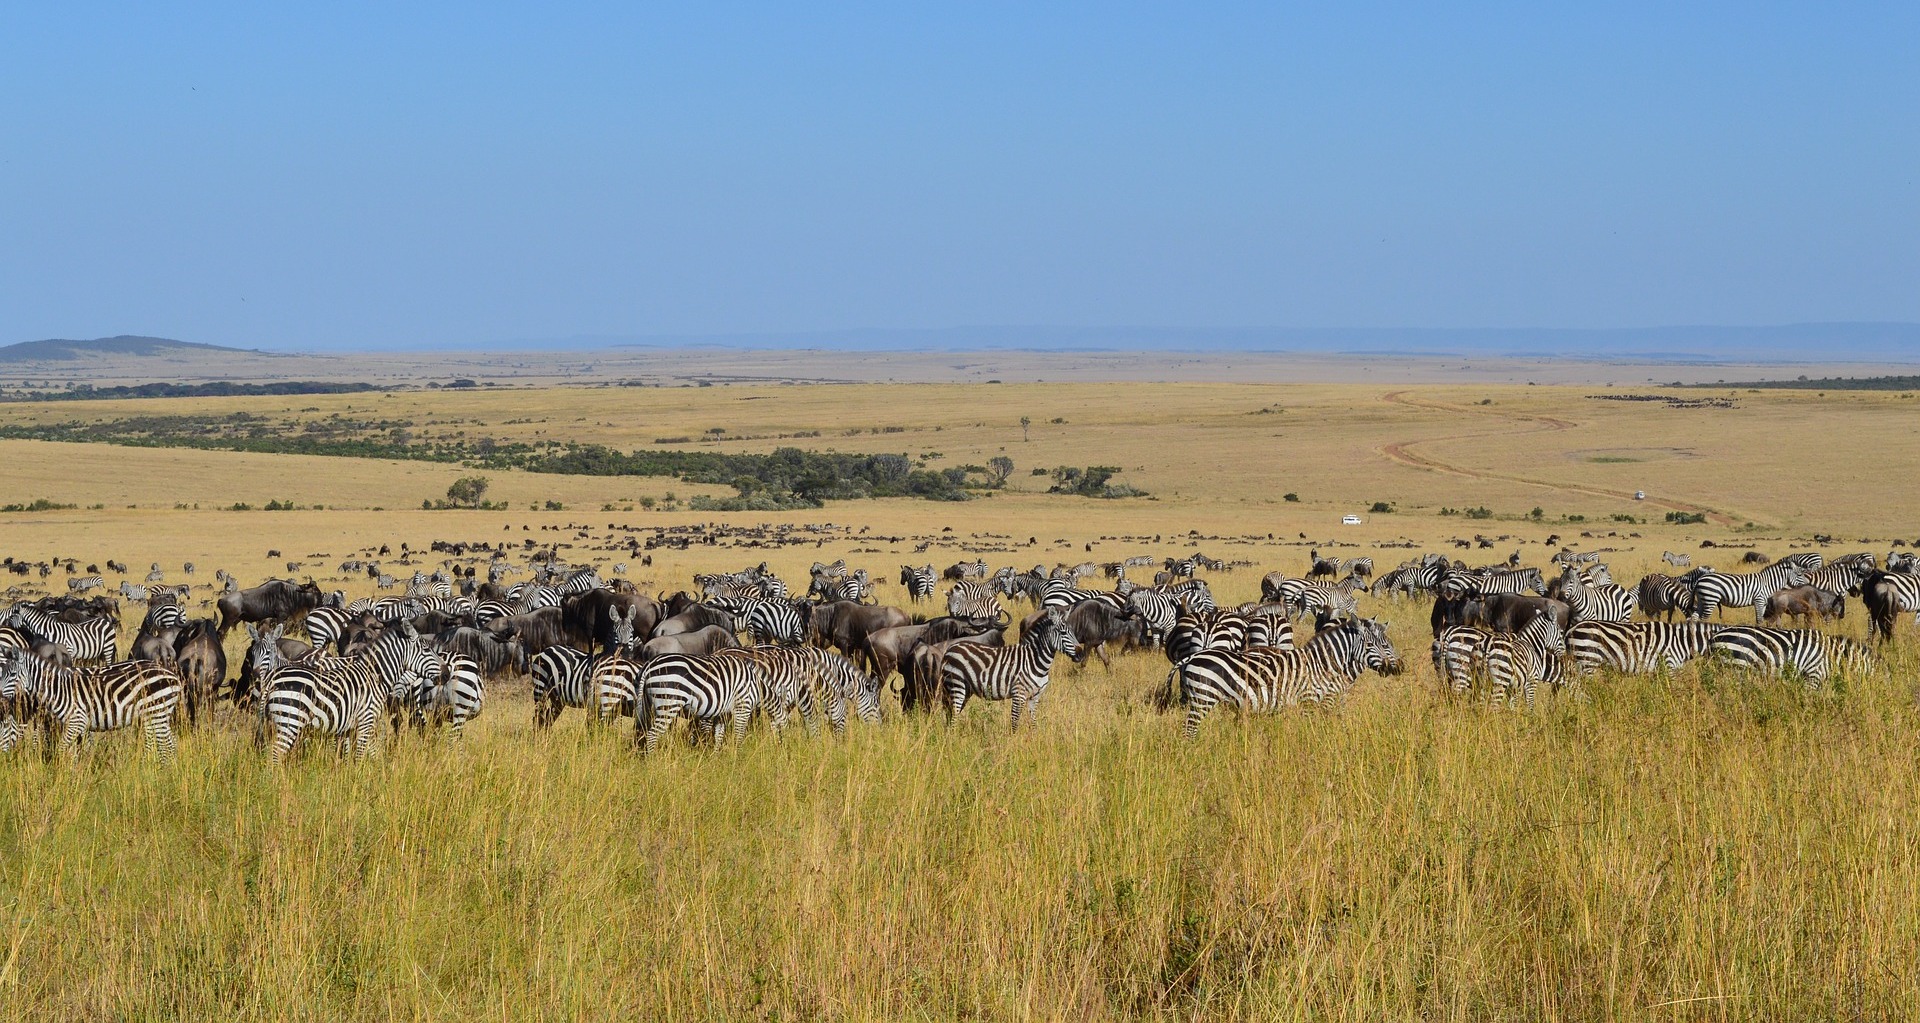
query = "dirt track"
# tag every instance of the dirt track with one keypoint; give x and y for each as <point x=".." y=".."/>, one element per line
<point x="1403" y="453"/>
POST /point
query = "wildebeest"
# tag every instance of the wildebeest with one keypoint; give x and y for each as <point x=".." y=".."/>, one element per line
<point x="202" y="666"/>
<point x="845" y="626"/>
<point x="535" y="630"/>
<point x="495" y="655"/>
<point x="1804" y="602"/>
<point x="1510" y="612"/>
<point x="585" y="614"/>
<point x="921" y="671"/>
<point x="285" y="649"/>
<point x="276" y="600"/>
<point x="1094" y="623"/>
<point x="695" y="618"/>
<point x="703" y="640"/>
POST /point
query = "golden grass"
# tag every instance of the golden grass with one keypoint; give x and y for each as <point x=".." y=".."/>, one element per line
<point x="1709" y="846"/>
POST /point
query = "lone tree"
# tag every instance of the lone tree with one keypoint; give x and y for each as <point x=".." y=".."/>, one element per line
<point x="1001" y="467"/>
<point x="467" y="491"/>
<point x="1025" y="421"/>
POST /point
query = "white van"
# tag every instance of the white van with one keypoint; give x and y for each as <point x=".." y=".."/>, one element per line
<point x="1350" y="520"/>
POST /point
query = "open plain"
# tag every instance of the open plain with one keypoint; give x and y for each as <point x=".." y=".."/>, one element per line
<point x="1702" y="845"/>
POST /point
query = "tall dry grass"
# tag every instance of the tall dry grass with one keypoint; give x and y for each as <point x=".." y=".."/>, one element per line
<point x="1706" y="846"/>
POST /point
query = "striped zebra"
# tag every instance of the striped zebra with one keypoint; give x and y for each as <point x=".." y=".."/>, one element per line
<point x="710" y="691"/>
<point x="1181" y="568"/>
<point x="970" y="599"/>
<point x="1520" y="661"/>
<point x="167" y="615"/>
<point x="1267" y="680"/>
<point x="1193" y="594"/>
<point x="1903" y="562"/>
<point x="1596" y="602"/>
<point x="1062" y="593"/>
<point x="452" y="697"/>
<point x="1842" y="576"/>
<point x="1813" y="655"/>
<point x="326" y="625"/>
<point x="95" y="639"/>
<point x="1460" y="656"/>
<point x="1019" y="673"/>
<point x="1887" y="596"/>
<point x="1712" y="590"/>
<point x="826" y="683"/>
<point x="919" y="582"/>
<point x="561" y="678"/>
<point x="1305" y="596"/>
<point x="1676" y="560"/>
<point x="1414" y="577"/>
<point x="776" y="621"/>
<point x="79" y="700"/>
<point x="485" y="611"/>
<point x="614" y="682"/>
<point x="1460" y="585"/>
<point x="1664" y="594"/>
<point x="1157" y="608"/>
<point x="1639" y="648"/>
<point x="343" y="696"/>
<point x="829" y="589"/>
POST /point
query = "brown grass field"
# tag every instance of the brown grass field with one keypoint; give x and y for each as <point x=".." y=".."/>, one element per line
<point x="1710" y="845"/>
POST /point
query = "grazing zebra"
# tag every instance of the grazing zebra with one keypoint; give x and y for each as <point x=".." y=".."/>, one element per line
<point x="1598" y="602"/>
<point x="1414" y="577"/>
<point x="1809" y="653"/>
<point x="1157" y="608"/>
<point x="1663" y="595"/>
<point x="1193" y="594"/>
<point x="1019" y="673"/>
<point x="1676" y="560"/>
<point x="1267" y="680"/>
<point x="1639" y="648"/>
<point x="1711" y="590"/>
<point x="454" y="698"/>
<point x="1903" y="562"/>
<point x="614" y="682"/>
<point x="484" y="612"/>
<point x="710" y="690"/>
<point x="1575" y="559"/>
<point x="1460" y="656"/>
<point x="827" y="683"/>
<point x="1522" y="660"/>
<point x="1888" y="595"/>
<point x="831" y="588"/>
<point x="1304" y="596"/>
<point x="343" y="696"/>
<point x="1268" y="625"/>
<point x="561" y="677"/>
<point x="96" y="639"/>
<point x="918" y="581"/>
<point x="79" y="700"/>
<point x="969" y="599"/>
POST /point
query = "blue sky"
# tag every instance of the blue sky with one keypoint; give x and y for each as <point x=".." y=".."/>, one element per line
<point x="386" y="175"/>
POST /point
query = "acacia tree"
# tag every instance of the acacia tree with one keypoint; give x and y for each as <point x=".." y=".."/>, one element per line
<point x="1001" y="467"/>
<point x="1025" y="421"/>
<point x="468" y="491"/>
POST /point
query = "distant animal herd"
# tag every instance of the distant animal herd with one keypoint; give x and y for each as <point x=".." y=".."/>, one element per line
<point x="733" y="647"/>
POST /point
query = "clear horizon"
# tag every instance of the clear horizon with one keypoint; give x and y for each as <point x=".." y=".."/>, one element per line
<point x="360" y="177"/>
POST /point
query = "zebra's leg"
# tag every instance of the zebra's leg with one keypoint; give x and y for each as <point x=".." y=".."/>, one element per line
<point x="837" y="715"/>
<point x="70" y="736"/>
<point x="363" y="732"/>
<point x="956" y="697"/>
<point x="160" y="734"/>
<point x="810" y="710"/>
<point x="1020" y="698"/>
<point x="1197" y="708"/>
<point x="662" y="719"/>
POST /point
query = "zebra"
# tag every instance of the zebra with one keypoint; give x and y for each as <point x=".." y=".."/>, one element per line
<point x="1639" y="648"/>
<point x="1903" y="562"/>
<point x="1597" y="602"/>
<point x="167" y="615"/>
<point x="1888" y="595"/>
<point x="777" y="621"/>
<point x="1460" y="656"/>
<point x="918" y="581"/>
<point x="89" y="699"/>
<point x="1811" y="654"/>
<point x="1522" y="660"/>
<point x="710" y="690"/>
<point x="1157" y="608"/>
<point x="1843" y="576"/>
<point x="832" y="588"/>
<point x="453" y="698"/>
<point x="1302" y="596"/>
<point x="95" y="639"/>
<point x="1266" y="680"/>
<point x="824" y="681"/>
<point x="1458" y="585"/>
<point x="327" y="626"/>
<point x="1738" y="589"/>
<point x="1062" y="593"/>
<point x="969" y="599"/>
<point x="343" y="696"/>
<point x="1019" y="673"/>
<point x="1268" y="626"/>
<point x="1181" y="568"/>
<point x="1676" y="560"/>
<point x="561" y="675"/>
<point x="1193" y="594"/>
<point x="614" y="682"/>
<point x="1574" y="559"/>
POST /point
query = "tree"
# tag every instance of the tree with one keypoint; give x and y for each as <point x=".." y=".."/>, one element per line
<point x="467" y="491"/>
<point x="1002" y="467"/>
<point x="1025" y="421"/>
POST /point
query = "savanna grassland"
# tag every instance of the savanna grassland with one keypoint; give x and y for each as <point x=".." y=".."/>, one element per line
<point x="1709" y="845"/>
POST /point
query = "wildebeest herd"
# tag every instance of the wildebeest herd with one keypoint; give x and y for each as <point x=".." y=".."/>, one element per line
<point x="746" y="644"/>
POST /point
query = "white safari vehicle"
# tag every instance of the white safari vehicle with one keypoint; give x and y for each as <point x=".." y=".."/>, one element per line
<point x="1350" y="520"/>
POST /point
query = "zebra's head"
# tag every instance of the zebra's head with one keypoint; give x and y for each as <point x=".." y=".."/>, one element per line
<point x="1051" y="633"/>
<point x="621" y="630"/>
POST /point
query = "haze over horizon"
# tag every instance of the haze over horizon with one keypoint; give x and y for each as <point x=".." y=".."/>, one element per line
<point x="354" y="176"/>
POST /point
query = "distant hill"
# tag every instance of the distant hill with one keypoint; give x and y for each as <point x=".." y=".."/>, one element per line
<point x="63" y="350"/>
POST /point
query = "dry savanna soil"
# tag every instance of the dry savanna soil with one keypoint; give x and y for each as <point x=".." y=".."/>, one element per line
<point x="1705" y="845"/>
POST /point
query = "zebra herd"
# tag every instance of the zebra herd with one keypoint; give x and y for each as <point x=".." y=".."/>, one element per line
<point x="741" y="645"/>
